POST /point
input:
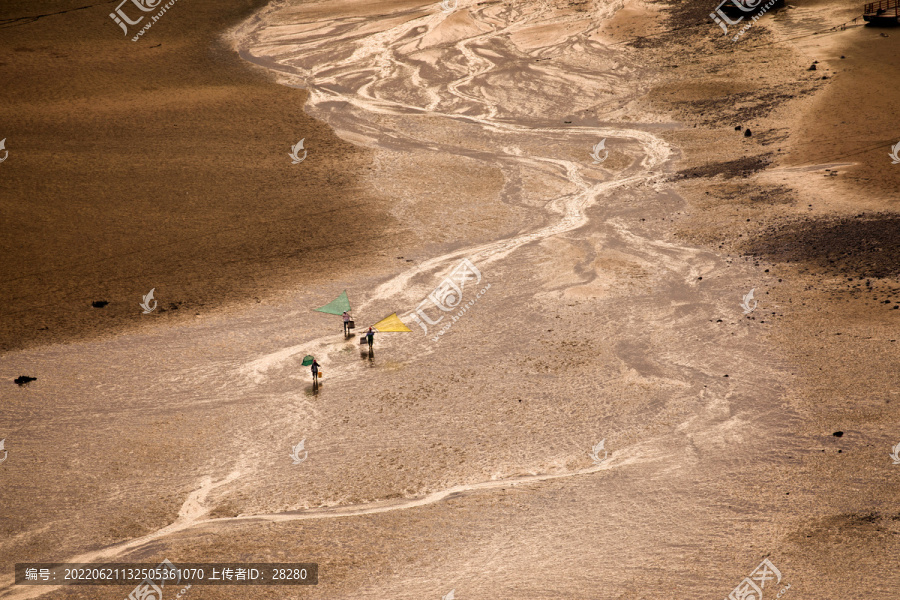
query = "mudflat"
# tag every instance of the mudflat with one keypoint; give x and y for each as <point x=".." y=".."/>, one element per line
<point x="160" y="164"/>
<point x="650" y="273"/>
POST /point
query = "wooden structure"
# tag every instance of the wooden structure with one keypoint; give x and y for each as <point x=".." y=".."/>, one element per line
<point x="885" y="12"/>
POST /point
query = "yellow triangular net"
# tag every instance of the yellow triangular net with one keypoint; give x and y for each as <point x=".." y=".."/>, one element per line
<point x="391" y="323"/>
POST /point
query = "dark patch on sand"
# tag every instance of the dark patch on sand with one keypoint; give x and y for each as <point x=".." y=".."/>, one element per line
<point x="741" y="107"/>
<point x="860" y="246"/>
<point x="683" y="14"/>
<point x="756" y="194"/>
<point x="742" y="167"/>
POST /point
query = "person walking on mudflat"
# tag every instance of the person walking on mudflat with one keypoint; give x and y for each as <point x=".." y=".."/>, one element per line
<point x="315" y="373"/>
<point x="347" y="319"/>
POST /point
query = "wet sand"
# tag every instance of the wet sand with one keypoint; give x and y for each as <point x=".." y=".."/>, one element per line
<point x="613" y="314"/>
<point x="163" y="164"/>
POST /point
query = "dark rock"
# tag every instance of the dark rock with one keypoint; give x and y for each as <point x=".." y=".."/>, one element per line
<point x="838" y="434"/>
<point x="23" y="379"/>
<point x="99" y="303"/>
<point x="748" y="133"/>
<point x="812" y="67"/>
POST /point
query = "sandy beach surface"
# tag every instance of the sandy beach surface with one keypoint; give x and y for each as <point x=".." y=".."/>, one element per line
<point x="568" y="203"/>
